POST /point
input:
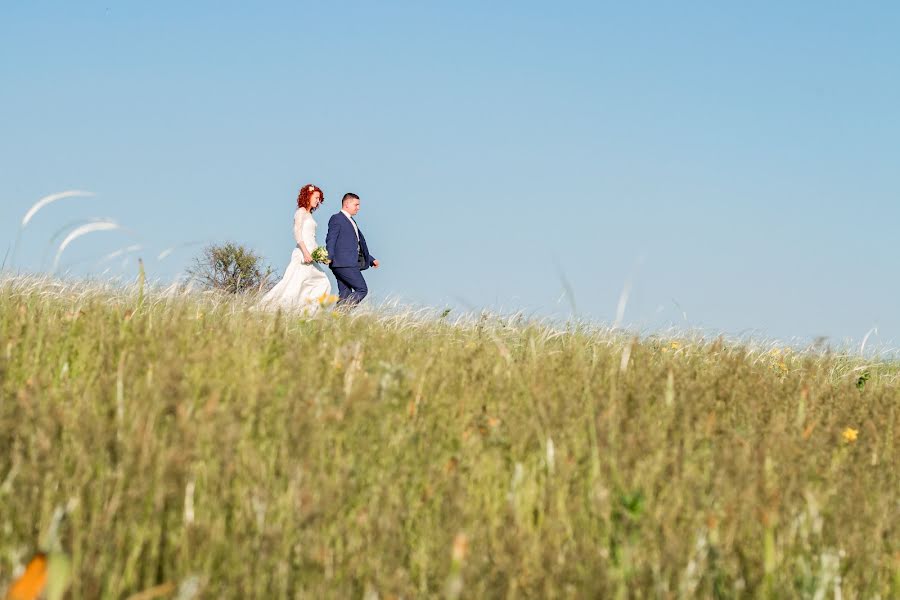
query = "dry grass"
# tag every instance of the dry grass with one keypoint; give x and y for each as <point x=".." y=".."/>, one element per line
<point x="193" y="439"/>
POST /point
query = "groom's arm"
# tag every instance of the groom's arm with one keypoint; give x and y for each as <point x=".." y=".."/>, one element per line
<point x="373" y="262"/>
<point x="331" y="237"/>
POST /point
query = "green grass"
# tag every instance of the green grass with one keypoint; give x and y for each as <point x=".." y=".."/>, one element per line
<point x="190" y="438"/>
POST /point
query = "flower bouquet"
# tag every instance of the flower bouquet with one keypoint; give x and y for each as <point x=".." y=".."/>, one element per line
<point x="320" y="255"/>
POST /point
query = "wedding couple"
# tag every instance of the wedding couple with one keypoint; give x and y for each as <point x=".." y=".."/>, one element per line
<point x="305" y="285"/>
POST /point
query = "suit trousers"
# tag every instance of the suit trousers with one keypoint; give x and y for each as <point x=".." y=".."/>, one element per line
<point x="352" y="287"/>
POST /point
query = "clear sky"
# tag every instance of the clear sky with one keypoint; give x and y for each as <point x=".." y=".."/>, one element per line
<point x="737" y="163"/>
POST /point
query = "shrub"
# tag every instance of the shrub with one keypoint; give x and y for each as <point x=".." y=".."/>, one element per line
<point x="231" y="268"/>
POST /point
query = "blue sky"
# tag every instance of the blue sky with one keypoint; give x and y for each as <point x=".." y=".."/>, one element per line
<point x="737" y="164"/>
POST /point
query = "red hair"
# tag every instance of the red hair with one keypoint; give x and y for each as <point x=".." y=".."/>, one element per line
<point x="305" y="195"/>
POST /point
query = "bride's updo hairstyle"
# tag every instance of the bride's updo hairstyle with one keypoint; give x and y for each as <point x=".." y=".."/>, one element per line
<point x="305" y="196"/>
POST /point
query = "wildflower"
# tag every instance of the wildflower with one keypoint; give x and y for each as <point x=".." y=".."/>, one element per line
<point x="850" y="435"/>
<point x="326" y="299"/>
<point x="675" y="346"/>
<point x="493" y="421"/>
<point x="32" y="583"/>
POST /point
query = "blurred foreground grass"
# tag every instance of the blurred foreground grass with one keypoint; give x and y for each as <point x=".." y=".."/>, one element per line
<point x="383" y="454"/>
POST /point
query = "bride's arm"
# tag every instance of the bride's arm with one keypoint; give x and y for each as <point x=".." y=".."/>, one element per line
<point x="298" y="236"/>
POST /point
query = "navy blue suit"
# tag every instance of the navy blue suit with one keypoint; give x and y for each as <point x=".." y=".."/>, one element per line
<point x="349" y="257"/>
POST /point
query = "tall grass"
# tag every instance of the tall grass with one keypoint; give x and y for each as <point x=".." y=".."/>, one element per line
<point x="395" y="454"/>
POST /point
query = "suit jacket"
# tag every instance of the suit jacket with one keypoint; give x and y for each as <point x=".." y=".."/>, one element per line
<point x="340" y="241"/>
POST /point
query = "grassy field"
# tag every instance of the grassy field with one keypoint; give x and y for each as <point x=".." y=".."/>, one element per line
<point x="186" y="438"/>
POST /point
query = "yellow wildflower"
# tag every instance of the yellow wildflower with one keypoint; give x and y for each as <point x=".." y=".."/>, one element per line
<point x="675" y="345"/>
<point x="326" y="298"/>
<point x="850" y="434"/>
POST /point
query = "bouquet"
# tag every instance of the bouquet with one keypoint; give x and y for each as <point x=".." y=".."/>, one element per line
<point x="320" y="255"/>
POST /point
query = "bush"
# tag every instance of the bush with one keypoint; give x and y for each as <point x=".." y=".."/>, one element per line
<point x="231" y="268"/>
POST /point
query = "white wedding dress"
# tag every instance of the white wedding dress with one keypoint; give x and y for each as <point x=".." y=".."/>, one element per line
<point x="303" y="285"/>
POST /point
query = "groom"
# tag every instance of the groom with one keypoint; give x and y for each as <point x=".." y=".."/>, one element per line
<point x="348" y="252"/>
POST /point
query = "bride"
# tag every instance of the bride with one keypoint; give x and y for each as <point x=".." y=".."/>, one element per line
<point x="304" y="284"/>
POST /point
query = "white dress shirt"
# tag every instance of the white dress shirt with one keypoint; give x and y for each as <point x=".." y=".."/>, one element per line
<point x="355" y="228"/>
